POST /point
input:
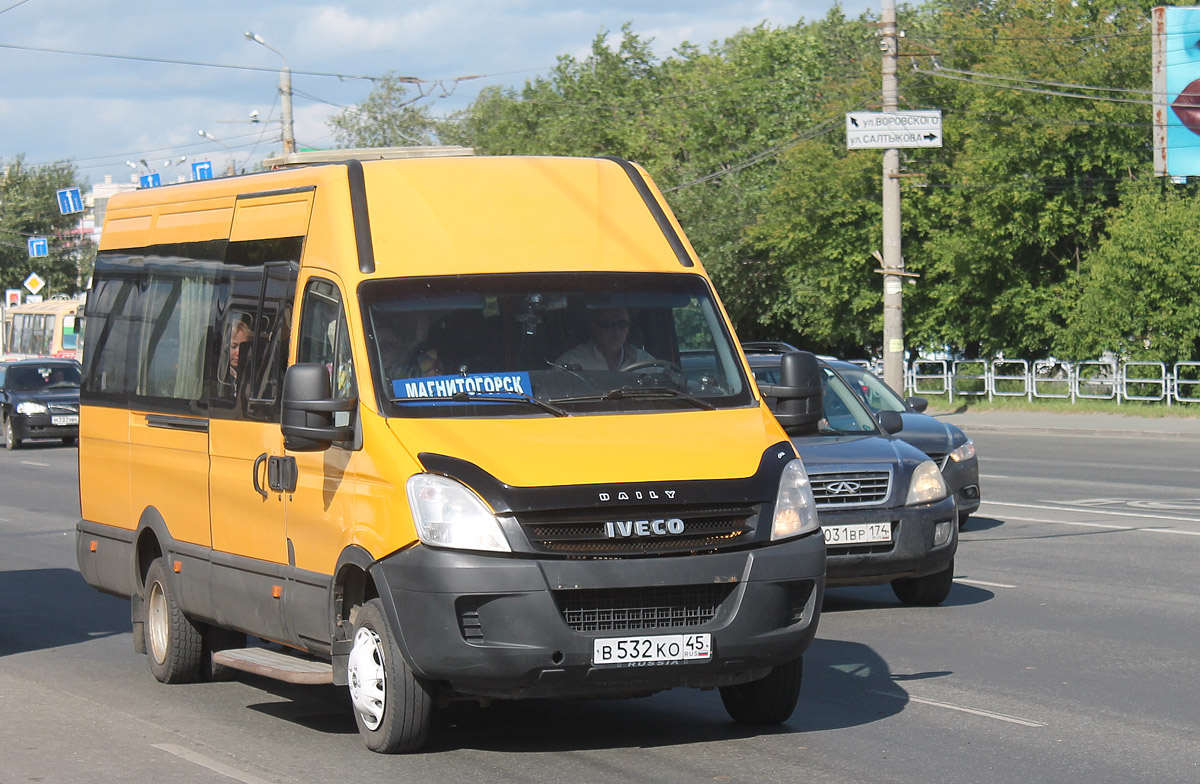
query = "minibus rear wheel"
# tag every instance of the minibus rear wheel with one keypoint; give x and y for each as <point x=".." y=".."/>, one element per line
<point x="392" y="708"/>
<point x="173" y="642"/>
<point x="769" y="700"/>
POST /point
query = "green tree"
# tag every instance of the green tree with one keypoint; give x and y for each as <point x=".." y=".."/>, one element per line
<point x="1140" y="289"/>
<point x="389" y="117"/>
<point x="29" y="207"/>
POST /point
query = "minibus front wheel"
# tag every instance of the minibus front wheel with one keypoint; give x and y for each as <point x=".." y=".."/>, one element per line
<point x="770" y="700"/>
<point x="173" y="642"/>
<point x="392" y="708"/>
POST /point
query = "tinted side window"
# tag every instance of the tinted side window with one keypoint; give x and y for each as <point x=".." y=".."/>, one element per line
<point x="324" y="337"/>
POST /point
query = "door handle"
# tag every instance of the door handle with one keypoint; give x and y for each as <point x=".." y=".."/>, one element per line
<point x="258" y="461"/>
<point x="282" y="474"/>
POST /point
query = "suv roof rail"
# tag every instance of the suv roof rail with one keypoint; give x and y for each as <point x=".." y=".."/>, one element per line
<point x="767" y="347"/>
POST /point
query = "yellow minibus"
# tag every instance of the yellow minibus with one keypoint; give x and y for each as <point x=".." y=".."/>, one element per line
<point x="439" y="429"/>
<point x="42" y="329"/>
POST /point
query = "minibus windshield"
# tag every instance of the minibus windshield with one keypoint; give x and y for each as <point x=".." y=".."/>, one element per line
<point x="549" y="344"/>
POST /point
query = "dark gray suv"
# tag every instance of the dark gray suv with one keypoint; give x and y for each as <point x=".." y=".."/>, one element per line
<point x="946" y="444"/>
<point x="884" y="506"/>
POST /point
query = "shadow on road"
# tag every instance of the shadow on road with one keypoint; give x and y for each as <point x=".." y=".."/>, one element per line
<point x="846" y="684"/>
<point x="49" y="608"/>
<point x="977" y="523"/>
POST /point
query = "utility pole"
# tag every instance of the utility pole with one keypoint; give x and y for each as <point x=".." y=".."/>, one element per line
<point x="893" y="261"/>
<point x="285" y="94"/>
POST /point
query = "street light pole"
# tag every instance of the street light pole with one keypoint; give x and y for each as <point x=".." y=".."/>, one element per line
<point x="893" y="261"/>
<point x="285" y="94"/>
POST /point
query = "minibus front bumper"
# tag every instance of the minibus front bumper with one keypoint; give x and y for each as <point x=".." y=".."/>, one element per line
<point x="509" y="627"/>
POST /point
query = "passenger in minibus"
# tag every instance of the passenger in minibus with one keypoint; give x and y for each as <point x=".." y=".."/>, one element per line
<point x="405" y="347"/>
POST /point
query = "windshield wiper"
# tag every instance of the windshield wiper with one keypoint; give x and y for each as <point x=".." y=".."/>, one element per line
<point x="646" y="393"/>
<point x="472" y="397"/>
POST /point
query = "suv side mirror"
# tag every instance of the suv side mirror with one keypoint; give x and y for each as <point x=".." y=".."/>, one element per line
<point x="308" y="407"/>
<point x="799" y="407"/>
<point x="891" y="422"/>
<point x="917" y="403"/>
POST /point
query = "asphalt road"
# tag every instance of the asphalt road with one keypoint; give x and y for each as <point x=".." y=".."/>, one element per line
<point x="1067" y="652"/>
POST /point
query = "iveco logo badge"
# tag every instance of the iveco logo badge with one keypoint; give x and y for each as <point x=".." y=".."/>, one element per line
<point x="625" y="529"/>
<point x="842" y="488"/>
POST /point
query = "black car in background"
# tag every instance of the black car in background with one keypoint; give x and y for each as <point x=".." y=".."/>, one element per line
<point x="946" y="444"/>
<point x="39" y="398"/>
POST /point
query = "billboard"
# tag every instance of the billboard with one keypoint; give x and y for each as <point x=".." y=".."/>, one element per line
<point x="1176" y="85"/>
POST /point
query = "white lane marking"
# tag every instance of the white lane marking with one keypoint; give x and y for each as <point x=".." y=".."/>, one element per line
<point x="211" y="764"/>
<point x="994" y="476"/>
<point x="39" y="465"/>
<point x="965" y="581"/>
<point x="1104" y="526"/>
<point x="961" y="709"/>
<point x="1091" y="510"/>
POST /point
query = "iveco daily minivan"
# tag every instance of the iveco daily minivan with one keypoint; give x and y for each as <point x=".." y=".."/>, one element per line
<point x="420" y="427"/>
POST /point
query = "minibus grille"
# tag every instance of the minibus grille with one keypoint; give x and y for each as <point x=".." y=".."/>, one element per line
<point x="850" y="488"/>
<point x="652" y="607"/>
<point x="704" y="531"/>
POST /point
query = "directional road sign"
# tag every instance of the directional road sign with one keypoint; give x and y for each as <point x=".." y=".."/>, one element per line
<point x="34" y="283"/>
<point x="150" y="180"/>
<point x="202" y="170"/>
<point x="891" y="130"/>
<point x="69" y="201"/>
<point x="38" y="247"/>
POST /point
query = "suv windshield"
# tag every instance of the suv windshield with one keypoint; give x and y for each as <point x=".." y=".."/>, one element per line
<point x="844" y="411"/>
<point x="560" y="344"/>
<point x="878" y="395"/>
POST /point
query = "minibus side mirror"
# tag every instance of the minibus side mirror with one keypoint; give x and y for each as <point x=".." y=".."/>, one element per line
<point x="799" y="407"/>
<point x="308" y="408"/>
<point x="917" y="403"/>
<point x="891" y="422"/>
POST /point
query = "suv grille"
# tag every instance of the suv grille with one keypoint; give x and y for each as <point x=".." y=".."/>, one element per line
<point x="939" y="458"/>
<point x="850" y="488"/>
<point x="569" y="533"/>
<point x="629" y="609"/>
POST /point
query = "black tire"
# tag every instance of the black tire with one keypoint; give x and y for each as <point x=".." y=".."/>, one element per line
<point x="11" y="441"/>
<point x="69" y="441"/>
<point x="174" y="644"/>
<point x="962" y="520"/>
<point x="770" y="700"/>
<point x="392" y="708"/>
<point x="927" y="591"/>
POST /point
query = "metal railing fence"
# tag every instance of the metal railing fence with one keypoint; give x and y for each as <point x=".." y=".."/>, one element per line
<point x="1099" y="379"/>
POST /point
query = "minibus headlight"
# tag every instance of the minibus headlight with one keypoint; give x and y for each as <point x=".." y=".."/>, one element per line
<point x="448" y="514"/>
<point x="795" y="508"/>
<point x="927" y="485"/>
<point x="963" y="452"/>
<point x="31" y="407"/>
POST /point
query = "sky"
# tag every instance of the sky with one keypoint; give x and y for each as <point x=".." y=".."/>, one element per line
<point x="101" y="111"/>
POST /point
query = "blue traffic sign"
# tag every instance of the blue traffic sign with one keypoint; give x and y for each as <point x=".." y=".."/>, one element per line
<point x="38" y="247"/>
<point x="150" y="180"/>
<point x="202" y="170"/>
<point x="69" y="201"/>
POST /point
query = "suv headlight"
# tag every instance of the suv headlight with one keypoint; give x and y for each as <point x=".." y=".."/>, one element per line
<point x="795" y="508"/>
<point x="31" y="407"/>
<point x="927" y="485"/>
<point x="448" y="514"/>
<point x="964" y="452"/>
